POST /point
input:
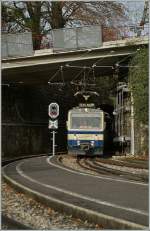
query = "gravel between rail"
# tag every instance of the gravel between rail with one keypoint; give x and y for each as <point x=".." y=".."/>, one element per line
<point x="71" y="162"/>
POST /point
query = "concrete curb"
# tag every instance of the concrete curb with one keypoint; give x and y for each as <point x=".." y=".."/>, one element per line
<point x="106" y="221"/>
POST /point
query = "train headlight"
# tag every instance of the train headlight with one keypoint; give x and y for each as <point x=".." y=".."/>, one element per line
<point x="96" y="137"/>
<point x="75" y="137"/>
<point x="92" y="143"/>
<point x="78" y="142"/>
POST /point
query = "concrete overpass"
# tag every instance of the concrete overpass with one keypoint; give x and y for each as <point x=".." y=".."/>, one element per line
<point x="38" y="69"/>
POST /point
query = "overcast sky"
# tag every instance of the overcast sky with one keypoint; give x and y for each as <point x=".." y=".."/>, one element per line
<point x="135" y="10"/>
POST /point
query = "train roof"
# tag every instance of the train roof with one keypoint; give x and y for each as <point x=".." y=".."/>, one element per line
<point x="85" y="109"/>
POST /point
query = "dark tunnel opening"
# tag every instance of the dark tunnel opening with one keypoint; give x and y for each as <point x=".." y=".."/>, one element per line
<point x="25" y="119"/>
<point x="109" y="129"/>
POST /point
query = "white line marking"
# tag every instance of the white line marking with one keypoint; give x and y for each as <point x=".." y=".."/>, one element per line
<point x="87" y="174"/>
<point x="20" y="172"/>
<point x="106" y="217"/>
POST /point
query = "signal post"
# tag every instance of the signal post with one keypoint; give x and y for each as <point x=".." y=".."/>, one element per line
<point x="53" y="112"/>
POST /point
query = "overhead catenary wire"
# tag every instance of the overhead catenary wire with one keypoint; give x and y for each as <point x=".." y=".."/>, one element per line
<point x="92" y="67"/>
<point x="126" y="57"/>
<point x="62" y="76"/>
<point x="61" y="68"/>
<point x="76" y="76"/>
<point x="81" y="56"/>
<point x="103" y="66"/>
<point x="100" y="59"/>
<point x="80" y="67"/>
<point x="49" y="81"/>
<point x="68" y="65"/>
<point x="88" y="67"/>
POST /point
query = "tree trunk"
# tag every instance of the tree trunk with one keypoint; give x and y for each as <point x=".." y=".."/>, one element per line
<point x="36" y="39"/>
<point x="34" y="9"/>
<point x="57" y="18"/>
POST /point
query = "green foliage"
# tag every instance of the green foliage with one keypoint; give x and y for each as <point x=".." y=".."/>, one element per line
<point x="138" y="78"/>
<point x="105" y="87"/>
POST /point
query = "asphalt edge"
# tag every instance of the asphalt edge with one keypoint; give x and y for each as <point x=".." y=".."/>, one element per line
<point x="106" y="221"/>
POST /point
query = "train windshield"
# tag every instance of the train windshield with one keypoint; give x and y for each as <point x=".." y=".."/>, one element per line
<point x="86" y="121"/>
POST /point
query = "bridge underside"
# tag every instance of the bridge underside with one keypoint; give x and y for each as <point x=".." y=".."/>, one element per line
<point x="40" y="69"/>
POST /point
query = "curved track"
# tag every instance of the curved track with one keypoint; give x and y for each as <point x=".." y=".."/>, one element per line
<point x="114" y="203"/>
<point x="101" y="167"/>
<point x="128" y="162"/>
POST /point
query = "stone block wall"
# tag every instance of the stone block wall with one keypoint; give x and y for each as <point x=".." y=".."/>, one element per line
<point x="25" y="121"/>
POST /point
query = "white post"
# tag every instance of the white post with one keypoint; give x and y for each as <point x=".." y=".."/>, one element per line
<point x="53" y="142"/>
<point x="132" y="125"/>
<point x="53" y="112"/>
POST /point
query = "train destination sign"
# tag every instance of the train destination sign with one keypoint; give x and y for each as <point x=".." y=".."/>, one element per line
<point x="53" y="110"/>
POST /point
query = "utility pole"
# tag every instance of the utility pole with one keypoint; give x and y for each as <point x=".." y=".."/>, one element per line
<point x="132" y="125"/>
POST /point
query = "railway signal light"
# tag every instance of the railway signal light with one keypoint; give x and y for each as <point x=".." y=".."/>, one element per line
<point x="53" y="110"/>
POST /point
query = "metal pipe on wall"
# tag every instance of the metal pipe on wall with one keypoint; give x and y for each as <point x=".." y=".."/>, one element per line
<point x="132" y="125"/>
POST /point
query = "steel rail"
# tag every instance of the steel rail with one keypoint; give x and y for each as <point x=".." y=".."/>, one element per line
<point x="137" y="164"/>
<point x="97" y="168"/>
<point x="7" y="161"/>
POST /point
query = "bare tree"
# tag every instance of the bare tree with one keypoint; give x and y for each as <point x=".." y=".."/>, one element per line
<point x="145" y="16"/>
<point x="41" y="16"/>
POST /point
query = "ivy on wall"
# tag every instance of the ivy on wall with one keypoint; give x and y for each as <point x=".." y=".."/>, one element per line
<point x="138" y="79"/>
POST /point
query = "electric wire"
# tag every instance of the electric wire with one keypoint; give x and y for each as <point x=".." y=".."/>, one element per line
<point x="53" y="76"/>
<point x="67" y="65"/>
<point x="62" y="76"/>
<point x="85" y="67"/>
<point x="93" y="66"/>
<point x="76" y="76"/>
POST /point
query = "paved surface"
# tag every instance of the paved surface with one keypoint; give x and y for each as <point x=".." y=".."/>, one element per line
<point x="114" y="197"/>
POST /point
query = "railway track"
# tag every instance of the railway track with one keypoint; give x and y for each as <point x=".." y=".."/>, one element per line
<point x="10" y="160"/>
<point x="139" y="164"/>
<point x="101" y="167"/>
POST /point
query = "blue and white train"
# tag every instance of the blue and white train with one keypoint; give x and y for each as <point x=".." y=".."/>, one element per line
<point x="85" y="127"/>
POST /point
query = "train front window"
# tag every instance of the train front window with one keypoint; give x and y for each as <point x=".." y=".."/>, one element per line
<point x="86" y="122"/>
